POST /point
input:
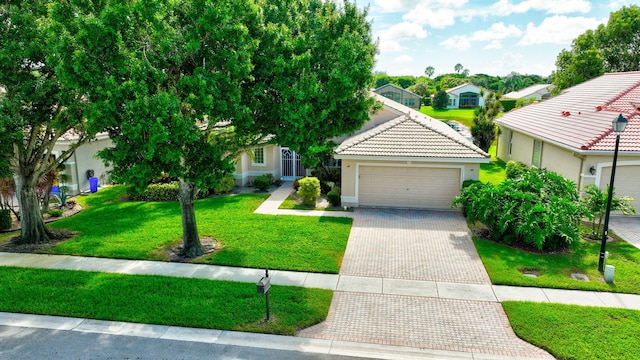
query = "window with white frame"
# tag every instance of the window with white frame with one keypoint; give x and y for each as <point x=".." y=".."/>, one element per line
<point x="510" y="142"/>
<point x="258" y="157"/>
<point x="537" y="153"/>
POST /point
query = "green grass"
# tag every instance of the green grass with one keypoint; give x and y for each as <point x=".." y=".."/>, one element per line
<point x="110" y="228"/>
<point x="577" y="332"/>
<point x="464" y="116"/>
<point x="504" y="265"/>
<point x="493" y="172"/>
<point x="160" y="300"/>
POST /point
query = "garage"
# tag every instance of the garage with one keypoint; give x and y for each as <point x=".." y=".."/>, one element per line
<point x="408" y="187"/>
<point x="627" y="182"/>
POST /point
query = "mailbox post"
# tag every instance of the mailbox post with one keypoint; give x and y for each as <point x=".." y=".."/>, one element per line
<point x="263" y="288"/>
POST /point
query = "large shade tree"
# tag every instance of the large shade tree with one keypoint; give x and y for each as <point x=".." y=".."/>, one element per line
<point x="164" y="80"/>
<point x="36" y="107"/>
<point x="614" y="47"/>
<point x="182" y="87"/>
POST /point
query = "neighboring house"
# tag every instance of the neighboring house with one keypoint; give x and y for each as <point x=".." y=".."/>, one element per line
<point x="403" y="158"/>
<point x="538" y="92"/>
<point x="572" y="134"/>
<point x="400" y="95"/>
<point x="466" y="96"/>
<point x="82" y="160"/>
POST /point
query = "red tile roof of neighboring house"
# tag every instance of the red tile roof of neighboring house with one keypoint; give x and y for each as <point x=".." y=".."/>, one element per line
<point x="580" y="117"/>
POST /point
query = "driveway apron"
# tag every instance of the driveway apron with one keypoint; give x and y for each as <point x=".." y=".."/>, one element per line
<point x="431" y="246"/>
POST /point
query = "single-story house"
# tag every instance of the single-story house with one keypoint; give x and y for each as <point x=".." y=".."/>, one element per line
<point x="403" y="158"/>
<point x="399" y="158"/>
<point x="400" y="95"/>
<point x="538" y="92"/>
<point x="466" y="96"/>
<point x="572" y="133"/>
<point x="83" y="161"/>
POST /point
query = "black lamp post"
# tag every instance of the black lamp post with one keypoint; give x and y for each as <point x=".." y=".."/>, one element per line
<point x="618" y="126"/>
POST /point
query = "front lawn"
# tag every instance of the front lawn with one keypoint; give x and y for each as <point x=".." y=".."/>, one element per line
<point x="506" y="266"/>
<point x="160" y="300"/>
<point x="111" y="228"/>
<point x="577" y="332"/>
<point x="464" y="116"/>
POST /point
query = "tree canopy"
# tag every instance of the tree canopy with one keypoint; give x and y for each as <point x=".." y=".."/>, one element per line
<point x="36" y="106"/>
<point x="178" y="96"/>
<point x="614" y="47"/>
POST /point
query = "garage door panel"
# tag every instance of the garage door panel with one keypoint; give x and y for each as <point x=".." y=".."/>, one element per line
<point x="627" y="182"/>
<point x="413" y="187"/>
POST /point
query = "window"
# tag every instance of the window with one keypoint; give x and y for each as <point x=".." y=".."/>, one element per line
<point x="510" y="142"/>
<point x="537" y="152"/>
<point x="410" y="102"/>
<point x="258" y="156"/>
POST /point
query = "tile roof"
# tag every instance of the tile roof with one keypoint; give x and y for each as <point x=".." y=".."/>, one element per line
<point x="396" y="87"/>
<point x="580" y="117"/>
<point x="411" y="135"/>
<point x="523" y="93"/>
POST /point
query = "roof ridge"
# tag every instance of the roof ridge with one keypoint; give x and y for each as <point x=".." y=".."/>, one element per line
<point x="620" y="95"/>
<point x="357" y="139"/>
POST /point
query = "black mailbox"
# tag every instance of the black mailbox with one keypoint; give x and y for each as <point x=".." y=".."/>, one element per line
<point x="263" y="285"/>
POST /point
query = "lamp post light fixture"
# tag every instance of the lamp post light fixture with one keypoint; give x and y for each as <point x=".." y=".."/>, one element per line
<point x="618" y="126"/>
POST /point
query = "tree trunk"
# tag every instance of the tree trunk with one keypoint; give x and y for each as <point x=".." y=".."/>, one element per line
<point x="33" y="230"/>
<point x="192" y="246"/>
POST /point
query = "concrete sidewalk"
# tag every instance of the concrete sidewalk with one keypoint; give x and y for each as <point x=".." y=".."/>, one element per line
<point x="335" y="282"/>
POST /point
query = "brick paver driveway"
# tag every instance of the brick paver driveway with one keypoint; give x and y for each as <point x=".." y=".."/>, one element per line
<point x="425" y="246"/>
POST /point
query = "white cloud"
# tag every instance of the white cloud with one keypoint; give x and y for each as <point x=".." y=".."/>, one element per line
<point x="456" y="42"/>
<point x="424" y="14"/>
<point x="493" y="45"/>
<point x="393" y="6"/>
<point x="557" y="30"/>
<point x="496" y="31"/>
<point x="506" y="7"/>
<point x="403" y="59"/>
<point x="507" y="63"/>
<point x="390" y="38"/>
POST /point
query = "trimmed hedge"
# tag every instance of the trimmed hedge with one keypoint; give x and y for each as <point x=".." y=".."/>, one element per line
<point x="334" y="196"/>
<point x="157" y="192"/>
<point x="262" y="182"/>
<point x="5" y="219"/>
<point x="508" y="104"/>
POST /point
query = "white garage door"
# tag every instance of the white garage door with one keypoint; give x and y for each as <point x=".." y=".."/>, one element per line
<point x="408" y="187"/>
<point x="626" y="183"/>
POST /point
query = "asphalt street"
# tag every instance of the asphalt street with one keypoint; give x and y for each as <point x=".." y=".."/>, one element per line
<point x="18" y="343"/>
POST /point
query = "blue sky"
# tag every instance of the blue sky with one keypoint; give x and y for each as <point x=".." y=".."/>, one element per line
<point x="492" y="37"/>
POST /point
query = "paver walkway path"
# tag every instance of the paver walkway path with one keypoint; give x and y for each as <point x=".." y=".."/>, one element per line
<point x="426" y="246"/>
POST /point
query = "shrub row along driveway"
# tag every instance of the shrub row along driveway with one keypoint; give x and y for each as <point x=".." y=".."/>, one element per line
<point x="424" y="246"/>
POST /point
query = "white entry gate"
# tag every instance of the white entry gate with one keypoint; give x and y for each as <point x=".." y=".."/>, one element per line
<point x="291" y="165"/>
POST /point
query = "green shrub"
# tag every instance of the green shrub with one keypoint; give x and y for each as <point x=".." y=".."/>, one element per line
<point x="227" y="183"/>
<point x="515" y="169"/>
<point x="309" y="190"/>
<point x="262" y="182"/>
<point x="55" y="212"/>
<point x="5" y="219"/>
<point x="468" y="183"/>
<point x="334" y="196"/>
<point x="508" y="104"/>
<point x="539" y="208"/>
<point x="157" y="192"/>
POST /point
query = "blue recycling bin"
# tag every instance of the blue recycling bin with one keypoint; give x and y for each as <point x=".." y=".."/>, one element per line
<point x="93" y="184"/>
<point x="55" y="189"/>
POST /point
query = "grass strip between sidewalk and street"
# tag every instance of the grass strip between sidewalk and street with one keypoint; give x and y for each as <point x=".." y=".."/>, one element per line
<point x="111" y="228"/>
<point x="161" y="300"/>
<point x="506" y="266"/>
<point x="577" y="332"/>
